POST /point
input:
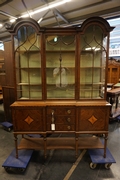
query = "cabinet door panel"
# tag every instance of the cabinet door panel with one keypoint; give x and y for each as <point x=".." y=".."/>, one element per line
<point x="28" y="120"/>
<point x="93" y="119"/>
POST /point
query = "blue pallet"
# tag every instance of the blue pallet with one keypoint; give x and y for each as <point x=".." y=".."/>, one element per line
<point x="20" y="162"/>
<point x="7" y="126"/>
<point x="97" y="157"/>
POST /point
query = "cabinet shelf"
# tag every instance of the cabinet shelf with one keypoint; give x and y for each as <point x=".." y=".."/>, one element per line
<point x="60" y="143"/>
<point x="30" y="84"/>
<point x="28" y="68"/>
<point x="89" y="142"/>
<point x="95" y="67"/>
<point x="31" y="143"/>
<point x="91" y="83"/>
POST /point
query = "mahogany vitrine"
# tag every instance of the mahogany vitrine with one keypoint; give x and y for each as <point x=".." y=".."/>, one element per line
<point x="60" y="84"/>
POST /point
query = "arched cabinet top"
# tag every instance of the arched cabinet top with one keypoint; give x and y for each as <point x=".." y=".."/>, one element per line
<point x="31" y="22"/>
<point x="21" y="22"/>
<point x="96" y="21"/>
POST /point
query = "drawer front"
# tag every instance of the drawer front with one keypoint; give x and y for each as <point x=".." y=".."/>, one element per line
<point x="61" y="110"/>
<point x="61" y="119"/>
<point x="62" y="127"/>
<point x="64" y="118"/>
<point x="93" y="119"/>
<point x="28" y="119"/>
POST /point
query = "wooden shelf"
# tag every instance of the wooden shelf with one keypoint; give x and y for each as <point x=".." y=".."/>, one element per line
<point x="89" y="143"/>
<point x="60" y="143"/>
<point x="31" y="143"/>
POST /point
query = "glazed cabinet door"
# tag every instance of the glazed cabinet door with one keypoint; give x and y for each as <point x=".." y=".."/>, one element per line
<point x="93" y="56"/>
<point x="28" y="73"/>
<point x="60" y="66"/>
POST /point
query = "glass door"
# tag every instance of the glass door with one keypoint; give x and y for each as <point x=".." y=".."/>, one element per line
<point x="60" y="66"/>
<point x="92" y="63"/>
<point x="28" y="64"/>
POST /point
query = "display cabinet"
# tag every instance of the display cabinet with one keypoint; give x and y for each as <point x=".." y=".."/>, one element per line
<point x="60" y="85"/>
<point x="113" y="71"/>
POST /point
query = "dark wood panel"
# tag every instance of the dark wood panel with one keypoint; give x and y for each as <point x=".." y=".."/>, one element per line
<point x="28" y="120"/>
<point x="8" y="99"/>
<point x="93" y="118"/>
<point x="9" y="68"/>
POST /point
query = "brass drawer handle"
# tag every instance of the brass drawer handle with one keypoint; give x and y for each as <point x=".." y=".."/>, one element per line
<point x="68" y="119"/>
<point x="69" y="127"/>
<point x="52" y="116"/>
<point x="69" y="111"/>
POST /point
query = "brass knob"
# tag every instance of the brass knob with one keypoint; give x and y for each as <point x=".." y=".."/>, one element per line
<point x="69" y="127"/>
<point x="52" y="111"/>
<point x="68" y="119"/>
<point x="69" y="111"/>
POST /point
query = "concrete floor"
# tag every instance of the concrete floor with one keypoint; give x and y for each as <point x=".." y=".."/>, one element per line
<point x="61" y="164"/>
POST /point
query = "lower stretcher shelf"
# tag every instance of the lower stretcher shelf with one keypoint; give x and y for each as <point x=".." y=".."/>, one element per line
<point x="60" y="143"/>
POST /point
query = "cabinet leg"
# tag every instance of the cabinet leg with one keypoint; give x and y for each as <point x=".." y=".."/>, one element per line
<point x="76" y="146"/>
<point x="45" y="155"/>
<point x="16" y="146"/>
<point x="105" y="144"/>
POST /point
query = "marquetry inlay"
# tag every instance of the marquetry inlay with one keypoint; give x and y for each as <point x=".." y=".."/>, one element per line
<point x="92" y="119"/>
<point x="29" y="120"/>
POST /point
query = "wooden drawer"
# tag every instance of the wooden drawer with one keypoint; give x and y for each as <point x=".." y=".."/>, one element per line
<point x="61" y="110"/>
<point x="61" y="119"/>
<point x="62" y="127"/>
<point x="27" y="119"/>
<point x="64" y="118"/>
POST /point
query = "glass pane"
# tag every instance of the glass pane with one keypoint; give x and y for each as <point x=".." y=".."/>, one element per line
<point x="28" y="63"/>
<point x="60" y="67"/>
<point x="29" y="92"/>
<point x="34" y="76"/>
<point x="92" y="63"/>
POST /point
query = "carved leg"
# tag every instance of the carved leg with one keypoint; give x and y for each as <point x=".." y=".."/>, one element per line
<point x="112" y="100"/>
<point x="15" y="138"/>
<point x="105" y="144"/>
<point x="116" y="106"/>
<point x="76" y="146"/>
<point x="45" y="146"/>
